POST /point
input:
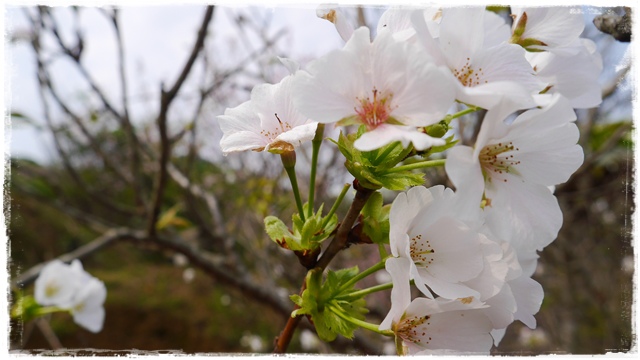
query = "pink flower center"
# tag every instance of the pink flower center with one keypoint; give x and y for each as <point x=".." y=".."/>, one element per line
<point x="374" y="113"/>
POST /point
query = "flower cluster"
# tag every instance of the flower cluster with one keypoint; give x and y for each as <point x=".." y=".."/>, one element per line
<point x="470" y="252"/>
<point x="71" y="288"/>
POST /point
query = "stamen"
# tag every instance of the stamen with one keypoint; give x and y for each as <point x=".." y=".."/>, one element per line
<point x="468" y="76"/>
<point x="420" y="251"/>
<point x="414" y="329"/>
<point x="495" y="162"/>
<point x="374" y="113"/>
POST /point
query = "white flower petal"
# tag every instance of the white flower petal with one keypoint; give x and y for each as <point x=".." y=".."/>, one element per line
<point x="398" y="268"/>
<point x="90" y="320"/>
<point x="528" y="294"/>
<point x="465" y="173"/>
<point x="57" y="284"/>
<point x="386" y="134"/>
<point x="87" y="308"/>
<point x="555" y="26"/>
<point x="526" y="215"/>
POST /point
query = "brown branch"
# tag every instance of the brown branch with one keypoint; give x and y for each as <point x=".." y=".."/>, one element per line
<point x="166" y="98"/>
<point x="620" y="27"/>
<point x="338" y="243"/>
<point x="340" y="240"/>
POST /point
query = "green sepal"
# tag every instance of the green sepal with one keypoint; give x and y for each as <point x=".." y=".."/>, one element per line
<point x="529" y="42"/>
<point x="375" y="219"/>
<point x="318" y="301"/>
<point x="371" y="168"/>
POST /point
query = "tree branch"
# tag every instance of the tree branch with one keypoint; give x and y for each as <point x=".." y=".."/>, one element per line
<point x="338" y="243"/>
<point x="620" y="27"/>
<point x="166" y="98"/>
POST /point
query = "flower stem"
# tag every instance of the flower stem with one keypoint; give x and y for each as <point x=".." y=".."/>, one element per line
<point x="364" y="292"/>
<point x="418" y="165"/>
<point x="383" y="251"/>
<point x="360" y="323"/>
<point x="48" y="310"/>
<point x="336" y="204"/>
<point x="470" y="109"/>
<point x="315" y="143"/>
<point x="289" y="162"/>
<point x="362" y="275"/>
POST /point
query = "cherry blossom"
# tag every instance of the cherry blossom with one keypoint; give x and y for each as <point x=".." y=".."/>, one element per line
<point x="386" y="85"/>
<point x="511" y="167"/>
<point x="431" y="245"/>
<point x="486" y="71"/>
<point x="440" y="326"/>
<point x="71" y="288"/>
<point x="57" y="284"/>
<point x="575" y="76"/>
<point x="268" y="121"/>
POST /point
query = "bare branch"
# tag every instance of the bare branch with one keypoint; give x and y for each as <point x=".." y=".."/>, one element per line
<point x="166" y="98"/>
<point x="620" y="27"/>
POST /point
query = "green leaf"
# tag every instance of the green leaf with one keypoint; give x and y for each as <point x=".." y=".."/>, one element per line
<point x="602" y="132"/>
<point x="400" y="180"/>
<point x="279" y="232"/>
<point x="171" y="218"/>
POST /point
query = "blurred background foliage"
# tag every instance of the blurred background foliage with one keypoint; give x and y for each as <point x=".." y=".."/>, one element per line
<point x="234" y="298"/>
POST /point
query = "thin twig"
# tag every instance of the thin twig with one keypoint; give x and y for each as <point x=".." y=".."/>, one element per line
<point x="166" y="98"/>
<point x="134" y="153"/>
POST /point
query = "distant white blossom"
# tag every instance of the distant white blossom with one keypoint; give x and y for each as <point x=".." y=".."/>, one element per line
<point x="71" y="288"/>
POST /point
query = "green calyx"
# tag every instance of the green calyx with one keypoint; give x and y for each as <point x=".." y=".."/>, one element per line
<point x="372" y="168"/>
<point x="331" y="315"/>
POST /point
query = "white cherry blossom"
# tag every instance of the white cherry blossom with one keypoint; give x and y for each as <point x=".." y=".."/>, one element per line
<point x="386" y="85"/>
<point x="487" y="71"/>
<point x="512" y="165"/>
<point x="268" y="121"/>
<point x="442" y="250"/>
<point x="71" y="288"/>
<point x="332" y="13"/>
<point x="428" y="326"/>
<point x="57" y="284"/>
<point x="574" y="76"/>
